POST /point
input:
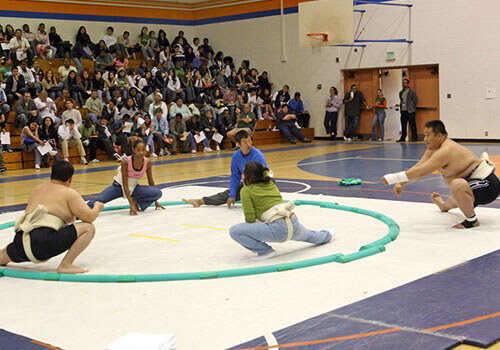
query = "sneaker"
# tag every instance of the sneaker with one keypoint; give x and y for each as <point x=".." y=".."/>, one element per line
<point x="166" y="152"/>
<point x="162" y="153"/>
<point x="66" y="159"/>
<point x="332" y="231"/>
<point x="84" y="161"/>
<point x="345" y="138"/>
<point x="265" y="256"/>
<point x="349" y="139"/>
<point x="154" y="155"/>
<point x="147" y="148"/>
<point x="217" y="148"/>
<point x="95" y="160"/>
<point x="297" y="125"/>
<point x="373" y="139"/>
<point x="10" y="150"/>
<point x="380" y="139"/>
<point x="53" y="153"/>
<point x="118" y="157"/>
<point x="401" y="140"/>
<point x="3" y="170"/>
<point x="207" y="150"/>
<point x="306" y="140"/>
<point x="293" y="141"/>
<point x="37" y="166"/>
<point x="193" y="151"/>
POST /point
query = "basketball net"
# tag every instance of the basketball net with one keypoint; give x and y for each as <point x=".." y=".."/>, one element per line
<point x="316" y="40"/>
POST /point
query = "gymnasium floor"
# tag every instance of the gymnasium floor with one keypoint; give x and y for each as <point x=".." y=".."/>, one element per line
<point x="258" y="311"/>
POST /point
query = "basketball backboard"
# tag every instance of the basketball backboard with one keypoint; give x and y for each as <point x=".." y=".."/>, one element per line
<point x="333" y="17"/>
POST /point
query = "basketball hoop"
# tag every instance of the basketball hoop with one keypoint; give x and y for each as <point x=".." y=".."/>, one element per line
<point x="317" y="38"/>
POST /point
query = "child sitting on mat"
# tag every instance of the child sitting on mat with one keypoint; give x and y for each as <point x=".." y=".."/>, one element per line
<point x="268" y="218"/>
<point x="126" y="182"/>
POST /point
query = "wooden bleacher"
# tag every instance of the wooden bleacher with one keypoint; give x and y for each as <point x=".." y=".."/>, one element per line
<point x="263" y="135"/>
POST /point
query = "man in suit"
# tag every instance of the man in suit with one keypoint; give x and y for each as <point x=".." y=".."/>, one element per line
<point x="408" y="103"/>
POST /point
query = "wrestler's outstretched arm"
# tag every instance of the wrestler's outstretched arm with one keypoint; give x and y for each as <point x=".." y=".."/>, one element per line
<point x="81" y="210"/>
<point x="430" y="162"/>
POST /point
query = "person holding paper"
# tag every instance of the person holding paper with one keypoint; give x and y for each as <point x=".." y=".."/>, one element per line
<point x="194" y="126"/>
<point x="121" y="129"/>
<point x="209" y="125"/>
<point x="179" y="131"/>
<point x="30" y="142"/>
<point x="46" y="108"/>
<point x="20" y="48"/>
<point x="48" y="134"/>
<point x="70" y="137"/>
<point x="104" y="139"/>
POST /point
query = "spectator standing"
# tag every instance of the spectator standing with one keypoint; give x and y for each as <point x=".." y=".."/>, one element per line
<point x="352" y="100"/>
<point x="408" y="103"/>
<point x="379" y="118"/>
<point x="333" y="104"/>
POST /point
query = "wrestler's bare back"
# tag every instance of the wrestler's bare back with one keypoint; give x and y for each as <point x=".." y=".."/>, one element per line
<point x="56" y="199"/>
<point x="458" y="161"/>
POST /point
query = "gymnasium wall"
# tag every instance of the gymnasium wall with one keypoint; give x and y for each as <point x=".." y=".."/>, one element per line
<point x="456" y="34"/>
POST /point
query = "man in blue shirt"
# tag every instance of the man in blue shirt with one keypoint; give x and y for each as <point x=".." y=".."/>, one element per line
<point x="245" y="154"/>
<point x="297" y="107"/>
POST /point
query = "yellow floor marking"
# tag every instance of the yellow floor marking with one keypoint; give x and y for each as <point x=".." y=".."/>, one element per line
<point x="161" y="238"/>
<point x="209" y="227"/>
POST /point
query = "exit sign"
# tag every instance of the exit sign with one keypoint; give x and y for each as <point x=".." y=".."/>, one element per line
<point x="389" y="56"/>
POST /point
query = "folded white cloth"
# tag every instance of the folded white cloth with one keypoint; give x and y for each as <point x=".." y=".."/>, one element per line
<point x="134" y="341"/>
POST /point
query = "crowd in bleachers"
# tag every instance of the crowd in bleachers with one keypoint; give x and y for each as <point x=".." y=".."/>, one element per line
<point x="181" y="92"/>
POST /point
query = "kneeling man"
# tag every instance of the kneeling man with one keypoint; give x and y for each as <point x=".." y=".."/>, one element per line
<point x="471" y="180"/>
<point x="47" y="227"/>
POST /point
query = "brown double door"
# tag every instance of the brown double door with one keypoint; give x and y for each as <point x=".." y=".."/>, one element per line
<point x="424" y="79"/>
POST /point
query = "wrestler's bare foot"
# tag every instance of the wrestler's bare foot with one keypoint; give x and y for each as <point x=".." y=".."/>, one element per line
<point x="194" y="202"/>
<point x="461" y="227"/>
<point x="4" y="258"/>
<point x="69" y="268"/>
<point x="436" y="198"/>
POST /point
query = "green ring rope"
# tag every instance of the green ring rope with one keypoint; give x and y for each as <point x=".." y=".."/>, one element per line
<point x="366" y="250"/>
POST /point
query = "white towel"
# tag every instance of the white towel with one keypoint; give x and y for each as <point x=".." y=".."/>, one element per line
<point x="134" y="341"/>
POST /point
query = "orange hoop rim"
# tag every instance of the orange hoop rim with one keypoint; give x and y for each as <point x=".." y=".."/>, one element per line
<point x="318" y="36"/>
